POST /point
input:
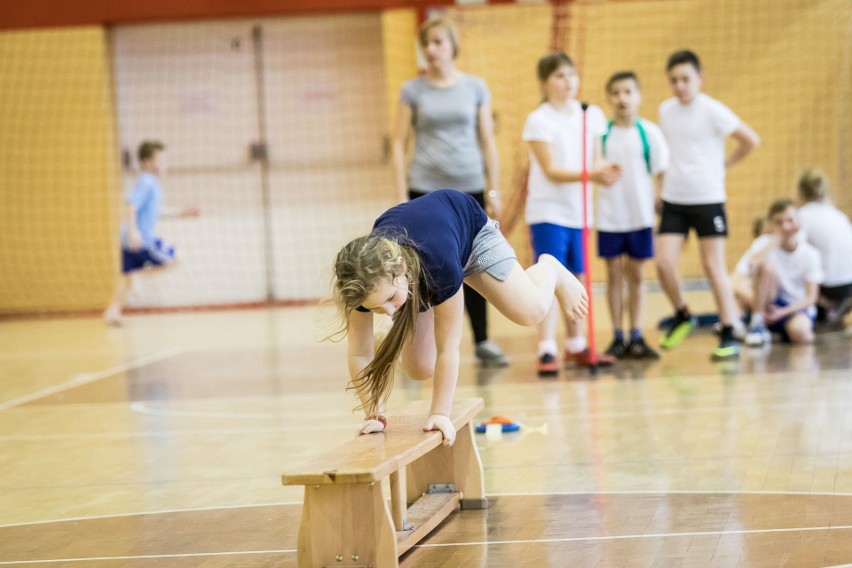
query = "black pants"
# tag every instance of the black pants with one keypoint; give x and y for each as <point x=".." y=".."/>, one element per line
<point x="477" y="308"/>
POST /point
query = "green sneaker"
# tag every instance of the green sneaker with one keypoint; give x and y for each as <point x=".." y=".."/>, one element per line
<point x="680" y="330"/>
<point x="728" y="349"/>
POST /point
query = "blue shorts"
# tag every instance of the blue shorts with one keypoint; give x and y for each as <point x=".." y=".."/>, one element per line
<point x="565" y="243"/>
<point x="159" y="254"/>
<point x="780" y="326"/>
<point x="637" y="244"/>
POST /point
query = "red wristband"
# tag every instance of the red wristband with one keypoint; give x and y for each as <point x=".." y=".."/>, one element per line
<point x="380" y="418"/>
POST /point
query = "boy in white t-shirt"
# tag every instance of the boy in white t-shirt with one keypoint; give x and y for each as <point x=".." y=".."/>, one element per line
<point x="787" y="274"/>
<point x="626" y="209"/>
<point x="828" y="229"/>
<point x="554" y="205"/>
<point x="693" y="195"/>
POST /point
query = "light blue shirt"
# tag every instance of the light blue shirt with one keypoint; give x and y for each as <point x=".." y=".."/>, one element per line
<point x="147" y="199"/>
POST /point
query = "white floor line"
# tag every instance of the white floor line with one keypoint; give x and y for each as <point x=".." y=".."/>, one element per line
<point x="676" y="492"/>
<point x="145" y="408"/>
<point x="293" y="503"/>
<point x="449" y="544"/>
<point x="150" y="556"/>
<point x="86" y="378"/>
<point x="635" y="536"/>
<point x="164" y="512"/>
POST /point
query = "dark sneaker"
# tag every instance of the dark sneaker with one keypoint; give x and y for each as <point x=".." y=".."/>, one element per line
<point x="638" y="349"/>
<point x="617" y="349"/>
<point x="728" y="349"/>
<point x="547" y="366"/>
<point x="490" y="354"/>
<point x="835" y="316"/>
<point x="680" y="329"/>
<point x="584" y="359"/>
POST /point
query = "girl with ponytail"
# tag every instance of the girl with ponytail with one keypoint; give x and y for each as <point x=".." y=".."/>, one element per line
<point x="411" y="267"/>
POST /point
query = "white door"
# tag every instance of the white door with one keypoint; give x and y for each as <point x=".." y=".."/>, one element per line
<point x="307" y="94"/>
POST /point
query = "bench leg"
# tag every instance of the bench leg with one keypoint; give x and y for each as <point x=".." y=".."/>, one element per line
<point x="399" y="505"/>
<point x="459" y="465"/>
<point x="346" y="525"/>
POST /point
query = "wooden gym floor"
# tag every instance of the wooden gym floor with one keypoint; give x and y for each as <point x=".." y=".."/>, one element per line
<point x="162" y="444"/>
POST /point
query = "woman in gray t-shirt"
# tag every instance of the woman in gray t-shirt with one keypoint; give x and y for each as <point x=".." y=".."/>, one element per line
<point x="454" y="147"/>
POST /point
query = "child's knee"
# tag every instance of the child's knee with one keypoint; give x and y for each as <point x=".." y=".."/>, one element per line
<point x="800" y="330"/>
<point x="418" y="368"/>
<point x="634" y="271"/>
<point x="714" y="269"/>
<point x="664" y="264"/>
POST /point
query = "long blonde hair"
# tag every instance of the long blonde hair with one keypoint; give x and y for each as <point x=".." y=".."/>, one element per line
<point x="359" y="267"/>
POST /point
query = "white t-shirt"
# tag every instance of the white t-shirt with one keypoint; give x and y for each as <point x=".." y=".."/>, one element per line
<point x="696" y="135"/>
<point x="829" y="230"/>
<point x="796" y="268"/>
<point x="561" y="203"/>
<point x="743" y="265"/>
<point x="628" y="204"/>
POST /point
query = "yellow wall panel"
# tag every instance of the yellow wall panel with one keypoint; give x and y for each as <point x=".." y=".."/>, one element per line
<point x="58" y="171"/>
<point x="782" y="65"/>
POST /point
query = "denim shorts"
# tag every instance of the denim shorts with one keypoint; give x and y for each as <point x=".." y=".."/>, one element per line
<point x="491" y="253"/>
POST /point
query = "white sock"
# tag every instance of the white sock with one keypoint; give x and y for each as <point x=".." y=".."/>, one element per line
<point x="757" y="319"/>
<point x="575" y="344"/>
<point x="547" y="346"/>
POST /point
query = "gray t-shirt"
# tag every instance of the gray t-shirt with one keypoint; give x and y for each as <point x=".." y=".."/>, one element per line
<point x="446" y="151"/>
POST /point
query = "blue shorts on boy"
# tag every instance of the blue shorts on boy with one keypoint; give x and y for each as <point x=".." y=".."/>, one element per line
<point x="626" y="208"/>
<point x="564" y="243"/>
<point x="638" y="244"/>
<point x="158" y="254"/>
<point x="780" y="326"/>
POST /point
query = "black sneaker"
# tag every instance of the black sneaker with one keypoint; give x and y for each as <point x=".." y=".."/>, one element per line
<point x="728" y="349"/>
<point x="617" y="349"/>
<point x="547" y="365"/>
<point x="680" y="328"/>
<point x="638" y="349"/>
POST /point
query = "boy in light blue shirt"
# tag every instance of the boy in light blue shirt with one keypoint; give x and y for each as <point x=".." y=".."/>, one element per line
<point x="140" y="247"/>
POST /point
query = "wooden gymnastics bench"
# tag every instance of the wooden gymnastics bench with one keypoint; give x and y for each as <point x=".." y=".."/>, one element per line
<point x="346" y="521"/>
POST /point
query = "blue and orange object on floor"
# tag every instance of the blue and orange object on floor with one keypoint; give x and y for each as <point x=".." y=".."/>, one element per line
<point x="506" y="423"/>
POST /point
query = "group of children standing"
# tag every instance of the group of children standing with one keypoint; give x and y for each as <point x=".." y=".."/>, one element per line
<point x="628" y="156"/>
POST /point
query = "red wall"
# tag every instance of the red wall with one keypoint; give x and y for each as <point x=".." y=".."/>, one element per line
<point x="50" y="13"/>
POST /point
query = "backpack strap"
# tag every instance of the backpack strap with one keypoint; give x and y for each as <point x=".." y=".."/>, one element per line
<point x="646" y="147"/>
<point x="643" y="136"/>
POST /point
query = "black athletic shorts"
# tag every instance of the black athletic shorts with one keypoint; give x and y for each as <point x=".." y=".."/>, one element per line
<point x="836" y="293"/>
<point x="708" y="220"/>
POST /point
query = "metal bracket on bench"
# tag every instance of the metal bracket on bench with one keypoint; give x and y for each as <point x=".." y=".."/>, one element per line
<point x="441" y="488"/>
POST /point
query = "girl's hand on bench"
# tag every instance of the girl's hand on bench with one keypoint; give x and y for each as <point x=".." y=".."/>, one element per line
<point x="444" y="425"/>
<point x="372" y="424"/>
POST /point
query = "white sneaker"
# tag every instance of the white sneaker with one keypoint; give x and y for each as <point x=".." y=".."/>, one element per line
<point x="112" y="316"/>
<point x="758" y="336"/>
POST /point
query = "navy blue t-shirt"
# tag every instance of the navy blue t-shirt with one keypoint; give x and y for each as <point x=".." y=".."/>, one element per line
<point x="441" y="226"/>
